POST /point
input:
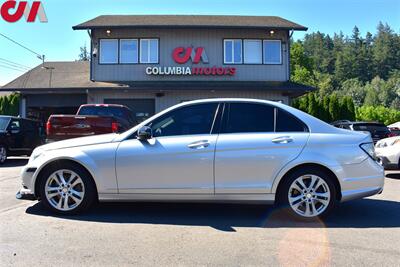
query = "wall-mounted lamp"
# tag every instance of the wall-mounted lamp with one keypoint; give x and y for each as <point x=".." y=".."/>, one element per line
<point x="108" y="32"/>
<point x="271" y="32"/>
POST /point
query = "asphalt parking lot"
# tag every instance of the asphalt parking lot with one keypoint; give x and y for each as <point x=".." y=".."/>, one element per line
<point x="360" y="233"/>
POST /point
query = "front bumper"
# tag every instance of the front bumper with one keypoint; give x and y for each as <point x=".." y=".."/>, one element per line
<point x="25" y="194"/>
<point x="27" y="189"/>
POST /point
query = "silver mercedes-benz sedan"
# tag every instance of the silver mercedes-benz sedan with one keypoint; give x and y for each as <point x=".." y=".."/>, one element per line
<point x="216" y="150"/>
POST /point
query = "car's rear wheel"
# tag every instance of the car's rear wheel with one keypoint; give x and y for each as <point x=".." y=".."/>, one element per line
<point x="67" y="189"/>
<point x="3" y="154"/>
<point x="308" y="194"/>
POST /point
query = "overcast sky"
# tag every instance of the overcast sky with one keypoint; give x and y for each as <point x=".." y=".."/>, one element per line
<point x="59" y="42"/>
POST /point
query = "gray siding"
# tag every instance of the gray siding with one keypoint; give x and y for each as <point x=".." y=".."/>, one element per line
<point x="171" y="98"/>
<point x="210" y="39"/>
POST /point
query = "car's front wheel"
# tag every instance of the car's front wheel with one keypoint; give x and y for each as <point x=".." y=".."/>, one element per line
<point x="308" y="194"/>
<point x="67" y="189"/>
<point x="3" y="154"/>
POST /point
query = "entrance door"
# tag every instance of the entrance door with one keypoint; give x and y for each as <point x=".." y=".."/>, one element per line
<point x="142" y="108"/>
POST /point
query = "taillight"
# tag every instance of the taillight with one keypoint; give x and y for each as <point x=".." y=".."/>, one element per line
<point x="114" y="127"/>
<point x="48" y="127"/>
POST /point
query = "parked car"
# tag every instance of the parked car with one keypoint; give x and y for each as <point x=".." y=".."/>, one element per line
<point x="19" y="136"/>
<point x="210" y="150"/>
<point x="394" y="129"/>
<point x="377" y="130"/>
<point x="91" y="119"/>
<point x="388" y="151"/>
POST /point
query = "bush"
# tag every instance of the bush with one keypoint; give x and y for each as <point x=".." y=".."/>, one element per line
<point x="379" y="113"/>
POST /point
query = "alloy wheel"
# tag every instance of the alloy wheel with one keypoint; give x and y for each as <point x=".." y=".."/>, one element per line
<point x="3" y="154"/>
<point x="309" y="195"/>
<point x="64" y="190"/>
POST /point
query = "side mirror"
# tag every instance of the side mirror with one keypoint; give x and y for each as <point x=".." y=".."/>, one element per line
<point x="14" y="129"/>
<point x="145" y="133"/>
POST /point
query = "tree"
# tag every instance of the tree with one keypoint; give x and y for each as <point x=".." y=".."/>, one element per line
<point x="334" y="111"/>
<point x="84" y="54"/>
<point x="325" y="107"/>
<point x="351" y="112"/>
<point x="312" y="105"/>
<point x="385" y="51"/>
<point x="14" y="104"/>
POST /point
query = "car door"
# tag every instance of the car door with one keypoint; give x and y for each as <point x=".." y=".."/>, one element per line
<point x="255" y="143"/>
<point x="16" y="136"/>
<point x="178" y="159"/>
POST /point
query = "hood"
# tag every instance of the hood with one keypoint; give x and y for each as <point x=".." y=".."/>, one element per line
<point x="81" y="141"/>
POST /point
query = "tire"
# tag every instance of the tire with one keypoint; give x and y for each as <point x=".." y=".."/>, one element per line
<point x="72" y="189"/>
<point x="3" y="154"/>
<point x="318" y="192"/>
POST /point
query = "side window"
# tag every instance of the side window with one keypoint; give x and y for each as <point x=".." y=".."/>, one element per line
<point x="15" y="125"/>
<point x="286" y="122"/>
<point x="248" y="118"/>
<point x="195" y="119"/>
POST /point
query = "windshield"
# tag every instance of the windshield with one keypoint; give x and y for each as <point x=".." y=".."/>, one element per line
<point x="4" y="123"/>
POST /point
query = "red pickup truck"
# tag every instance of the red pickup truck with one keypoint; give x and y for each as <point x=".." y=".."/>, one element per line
<point x="91" y="119"/>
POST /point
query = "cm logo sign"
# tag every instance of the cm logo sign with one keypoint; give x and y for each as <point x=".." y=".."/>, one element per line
<point x="182" y="55"/>
<point x="12" y="11"/>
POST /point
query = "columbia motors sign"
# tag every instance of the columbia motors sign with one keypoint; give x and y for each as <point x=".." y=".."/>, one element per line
<point x="183" y="55"/>
<point x="13" y="11"/>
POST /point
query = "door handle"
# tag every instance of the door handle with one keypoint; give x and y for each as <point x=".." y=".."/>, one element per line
<point x="282" y="140"/>
<point x="199" y="144"/>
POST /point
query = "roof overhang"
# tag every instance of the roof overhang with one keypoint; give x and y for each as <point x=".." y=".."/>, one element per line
<point x="288" y="88"/>
<point x="189" y="21"/>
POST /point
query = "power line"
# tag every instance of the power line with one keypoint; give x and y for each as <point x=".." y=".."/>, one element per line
<point x="14" y="63"/>
<point x="21" y="45"/>
<point x="7" y="67"/>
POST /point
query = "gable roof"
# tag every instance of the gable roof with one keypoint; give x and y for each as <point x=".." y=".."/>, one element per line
<point x="189" y="21"/>
<point x="67" y="75"/>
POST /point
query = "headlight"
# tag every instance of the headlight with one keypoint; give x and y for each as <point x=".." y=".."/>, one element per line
<point x="369" y="149"/>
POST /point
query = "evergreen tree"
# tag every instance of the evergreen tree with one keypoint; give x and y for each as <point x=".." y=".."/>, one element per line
<point x="325" y="107"/>
<point x="334" y="111"/>
<point x="350" y="108"/>
<point x="312" y="105"/>
<point x="385" y="51"/>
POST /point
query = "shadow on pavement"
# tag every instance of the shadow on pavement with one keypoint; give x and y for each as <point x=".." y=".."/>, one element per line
<point x="393" y="175"/>
<point x="365" y="213"/>
<point x="15" y="162"/>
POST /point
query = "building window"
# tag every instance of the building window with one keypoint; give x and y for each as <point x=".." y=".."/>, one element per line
<point x="252" y="51"/>
<point x="272" y="52"/>
<point x="233" y="51"/>
<point x="128" y="51"/>
<point x="108" y="51"/>
<point x="148" y="50"/>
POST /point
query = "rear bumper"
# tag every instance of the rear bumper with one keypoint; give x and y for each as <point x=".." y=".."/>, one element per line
<point x="361" y="180"/>
<point x="387" y="163"/>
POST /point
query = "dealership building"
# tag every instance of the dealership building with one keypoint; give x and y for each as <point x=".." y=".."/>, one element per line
<point x="152" y="62"/>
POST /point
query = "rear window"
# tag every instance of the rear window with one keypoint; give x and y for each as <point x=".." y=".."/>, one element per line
<point x="370" y="127"/>
<point x="248" y="118"/>
<point x="103" y="111"/>
<point x="4" y="123"/>
<point x="286" y="122"/>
